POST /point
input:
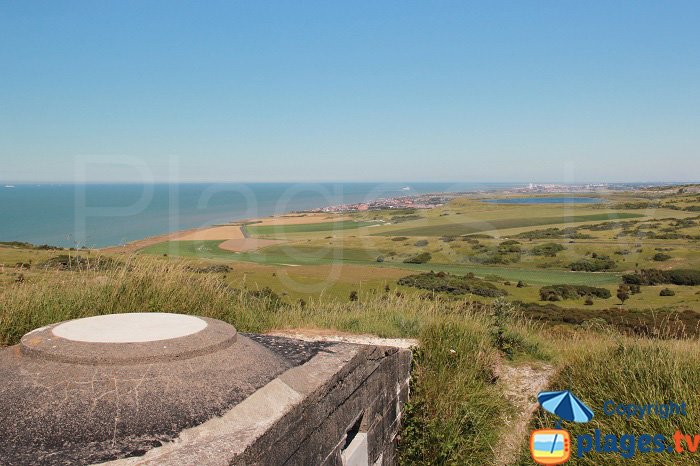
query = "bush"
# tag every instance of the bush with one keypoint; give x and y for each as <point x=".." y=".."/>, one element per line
<point x="495" y="258"/>
<point x="421" y="258"/>
<point x="547" y="249"/>
<point x="684" y="277"/>
<point x="660" y="257"/>
<point x="453" y="284"/>
<point x="399" y="238"/>
<point x="594" y="264"/>
<point x="667" y="292"/>
<point x="559" y="292"/>
<point x="421" y="242"/>
<point x="404" y="218"/>
<point x="509" y="246"/>
<point x="380" y="259"/>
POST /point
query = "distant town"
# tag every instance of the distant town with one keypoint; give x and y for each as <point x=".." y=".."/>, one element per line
<point x="422" y="201"/>
<point x="432" y="200"/>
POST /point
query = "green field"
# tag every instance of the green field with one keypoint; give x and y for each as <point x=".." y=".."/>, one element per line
<point x="376" y="255"/>
<point x="458" y="229"/>
<point x="311" y="255"/>
<point x="306" y="228"/>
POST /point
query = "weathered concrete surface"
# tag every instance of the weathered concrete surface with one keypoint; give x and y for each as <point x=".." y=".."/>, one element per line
<point x="304" y="416"/>
<point x="330" y="335"/>
<point x="210" y="397"/>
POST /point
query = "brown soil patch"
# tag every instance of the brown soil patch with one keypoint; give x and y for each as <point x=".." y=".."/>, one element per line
<point x="521" y="384"/>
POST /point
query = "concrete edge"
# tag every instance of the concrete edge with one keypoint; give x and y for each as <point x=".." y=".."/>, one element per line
<point x="219" y="440"/>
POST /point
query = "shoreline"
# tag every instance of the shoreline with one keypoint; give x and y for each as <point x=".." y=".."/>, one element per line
<point x="235" y="243"/>
<point x="407" y="200"/>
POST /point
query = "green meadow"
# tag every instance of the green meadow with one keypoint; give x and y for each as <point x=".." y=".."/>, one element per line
<point x="457" y="228"/>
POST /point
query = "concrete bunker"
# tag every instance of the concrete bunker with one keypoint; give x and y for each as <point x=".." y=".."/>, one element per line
<point x="172" y="389"/>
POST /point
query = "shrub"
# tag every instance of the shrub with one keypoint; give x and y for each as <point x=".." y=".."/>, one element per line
<point x="404" y="218"/>
<point x="594" y="264"/>
<point x="421" y="258"/>
<point x="667" y="292"/>
<point x="547" y="249"/>
<point x="421" y="243"/>
<point x="380" y="258"/>
<point x="453" y="284"/>
<point x="495" y="258"/>
<point x="559" y="292"/>
<point x="509" y="246"/>
<point x="623" y="293"/>
<point x="660" y="257"/>
<point x="684" y="277"/>
<point x="399" y="238"/>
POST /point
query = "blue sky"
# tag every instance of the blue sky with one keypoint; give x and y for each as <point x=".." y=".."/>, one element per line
<point x="340" y="91"/>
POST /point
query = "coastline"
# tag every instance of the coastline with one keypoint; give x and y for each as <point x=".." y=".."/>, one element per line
<point x="233" y="241"/>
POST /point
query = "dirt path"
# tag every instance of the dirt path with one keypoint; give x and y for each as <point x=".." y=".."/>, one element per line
<point x="521" y="384"/>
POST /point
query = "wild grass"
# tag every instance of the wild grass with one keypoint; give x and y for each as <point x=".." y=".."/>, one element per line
<point x="603" y="365"/>
<point x="456" y="407"/>
<point x="454" y="412"/>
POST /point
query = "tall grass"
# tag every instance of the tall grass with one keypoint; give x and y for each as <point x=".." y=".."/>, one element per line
<point x="456" y="406"/>
<point x="453" y="416"/>
<point x="626" y="370"/>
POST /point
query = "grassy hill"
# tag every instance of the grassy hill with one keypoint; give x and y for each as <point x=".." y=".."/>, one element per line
<point x="460" y="407"/>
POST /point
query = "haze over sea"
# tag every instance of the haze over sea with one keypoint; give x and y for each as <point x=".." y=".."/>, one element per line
<point x="98" y="215"/>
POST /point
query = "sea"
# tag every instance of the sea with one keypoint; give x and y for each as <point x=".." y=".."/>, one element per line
<point x="100" y="215"/>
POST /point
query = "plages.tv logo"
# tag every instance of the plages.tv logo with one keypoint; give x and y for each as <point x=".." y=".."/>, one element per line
<point x="553" y="446"/>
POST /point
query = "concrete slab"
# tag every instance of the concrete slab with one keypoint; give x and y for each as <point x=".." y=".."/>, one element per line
<point x="130" y="328"/>
<point x="212" y="397"/>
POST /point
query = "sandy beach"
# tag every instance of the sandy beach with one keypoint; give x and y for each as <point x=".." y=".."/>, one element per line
<point x="232" y="235"/>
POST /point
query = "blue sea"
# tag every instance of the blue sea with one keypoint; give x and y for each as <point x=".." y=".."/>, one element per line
<point x="98" y="215"/>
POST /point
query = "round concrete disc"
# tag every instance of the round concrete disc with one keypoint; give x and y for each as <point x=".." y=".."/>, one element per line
<point x="131" y="338"/>
<point x="137" y="327"/>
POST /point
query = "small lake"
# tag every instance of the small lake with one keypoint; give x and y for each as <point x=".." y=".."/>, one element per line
<point x="547" y="200"/>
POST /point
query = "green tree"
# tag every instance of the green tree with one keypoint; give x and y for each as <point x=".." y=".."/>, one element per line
<point x="623" y="293"/>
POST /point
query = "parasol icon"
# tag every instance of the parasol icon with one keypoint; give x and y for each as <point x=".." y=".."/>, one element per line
<point x="565" y="405"/>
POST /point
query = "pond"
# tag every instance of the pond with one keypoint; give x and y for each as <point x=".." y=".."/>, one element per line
<point x="547" y="200"/>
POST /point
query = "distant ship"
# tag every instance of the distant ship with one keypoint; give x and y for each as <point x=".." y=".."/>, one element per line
<point x="9" y="186"/>
<point x="406" y="188"/>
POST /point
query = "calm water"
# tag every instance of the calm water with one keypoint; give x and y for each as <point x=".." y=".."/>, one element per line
<point x="100" y="215"/>
<point x="548" y="200"/>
